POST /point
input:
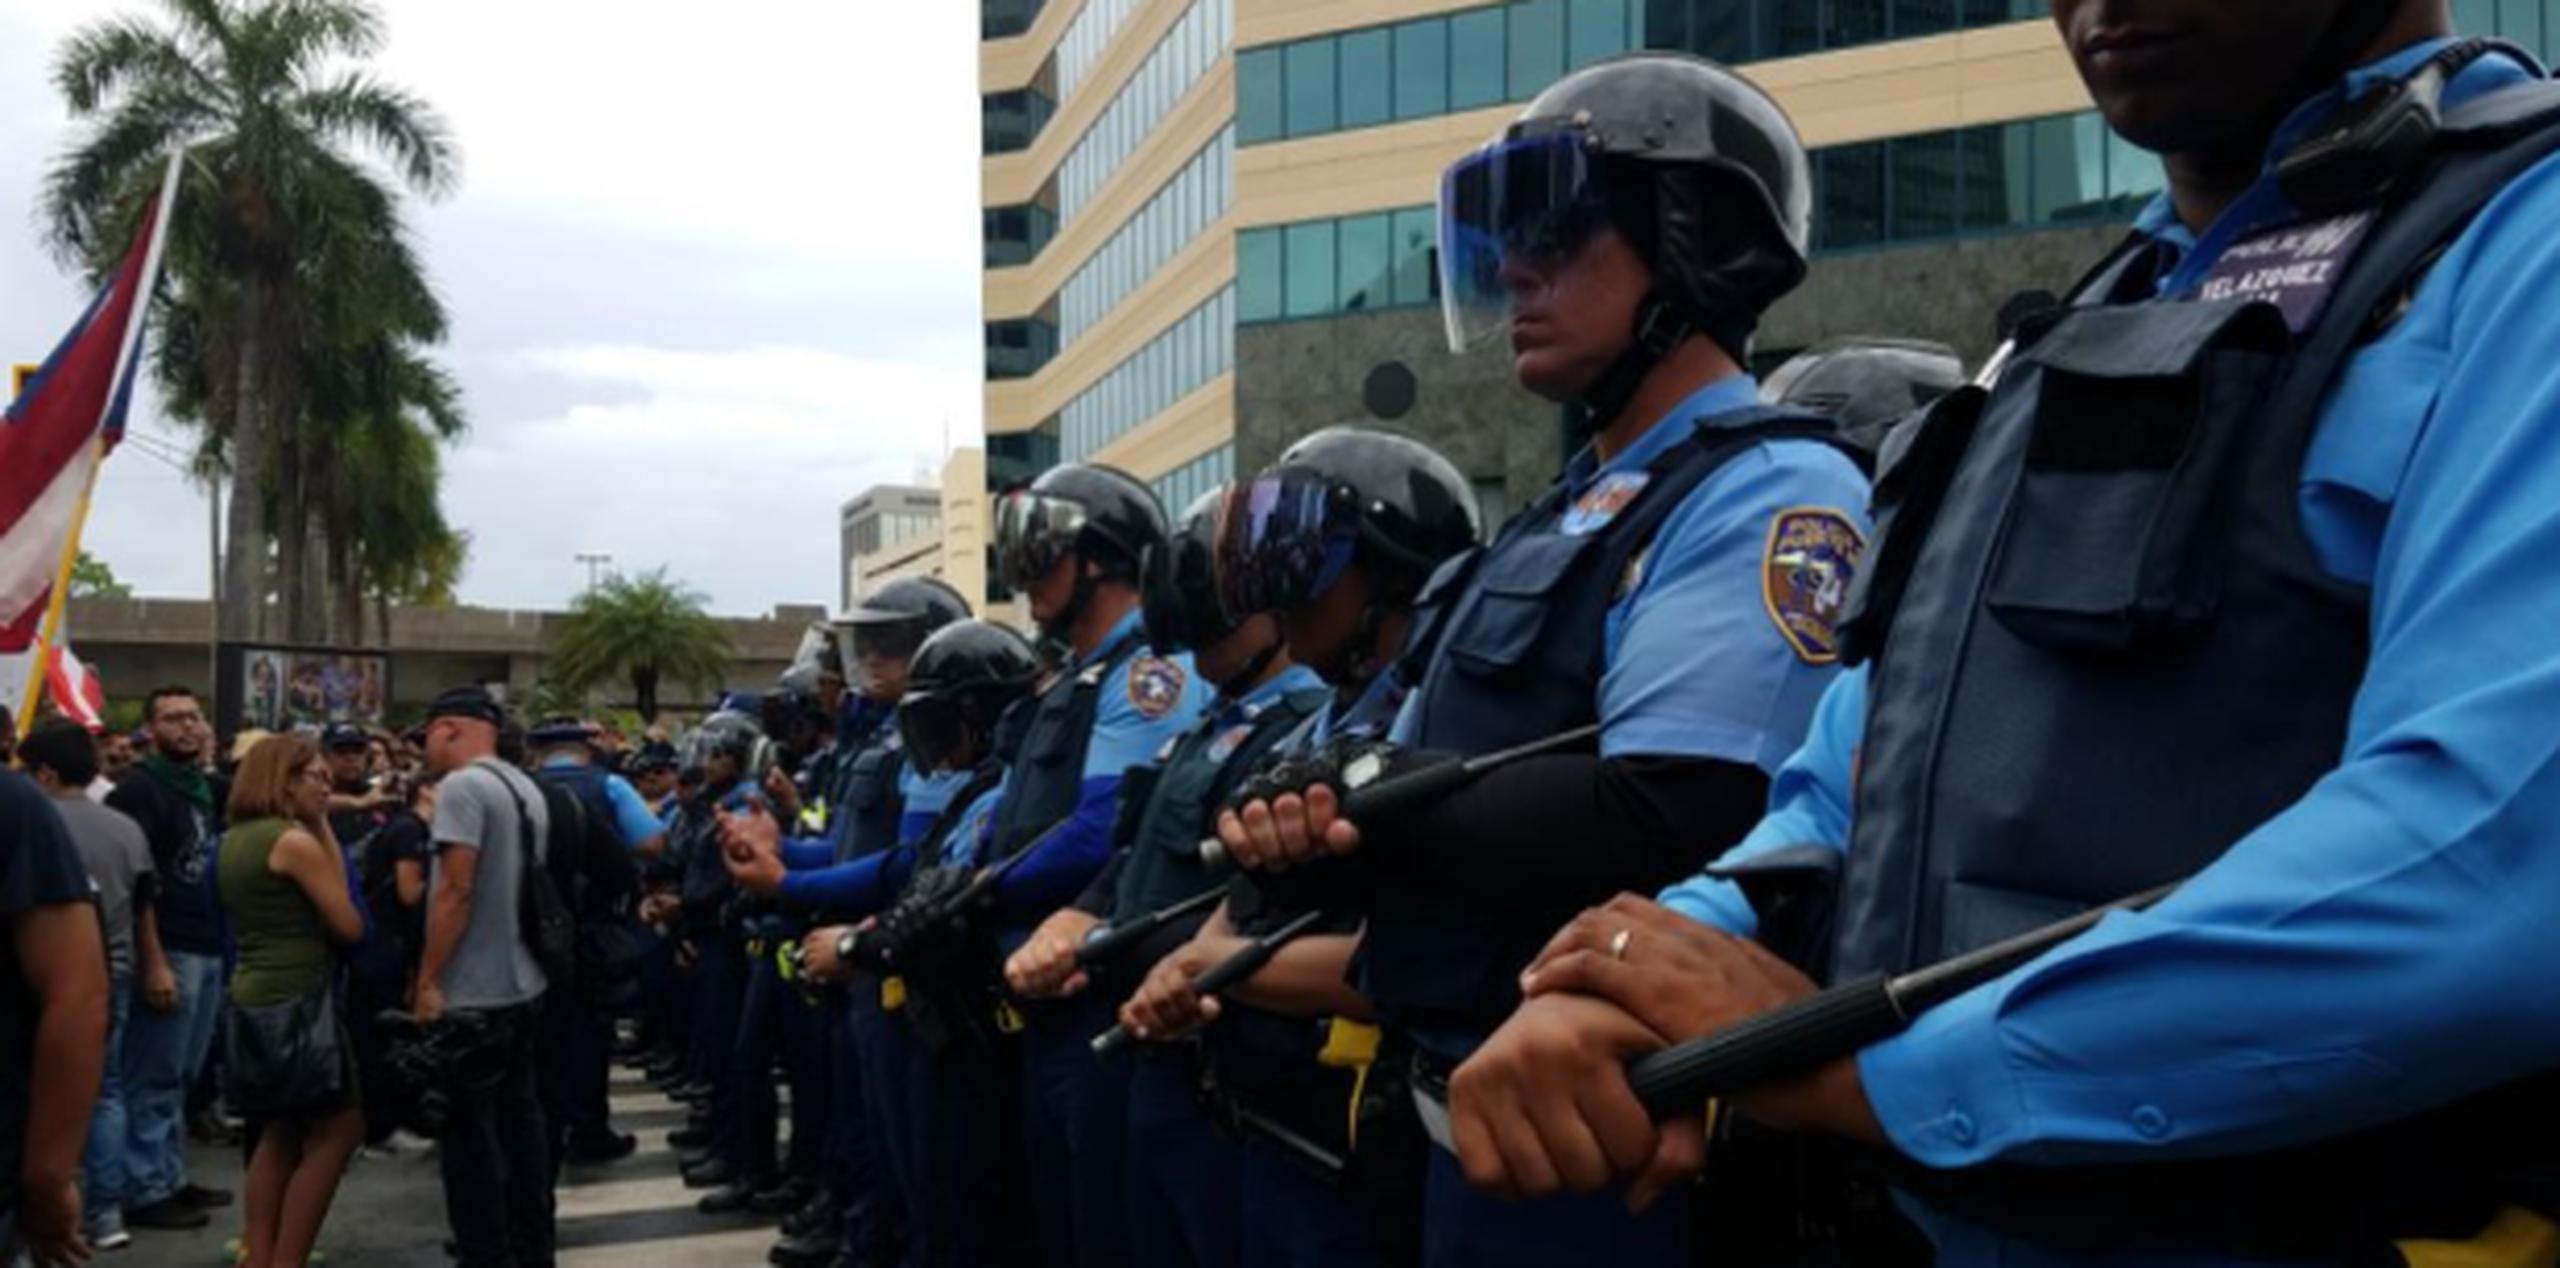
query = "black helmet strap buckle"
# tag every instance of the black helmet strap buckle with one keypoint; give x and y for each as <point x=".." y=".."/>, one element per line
<point x="1661" y="326"/>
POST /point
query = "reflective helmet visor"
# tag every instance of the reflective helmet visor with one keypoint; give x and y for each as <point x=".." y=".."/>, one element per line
<point x="1528" y="200"/>
<point x="1032" y="534"/>
<point x="1283" y="540"/>
<point x="935" y="730"/>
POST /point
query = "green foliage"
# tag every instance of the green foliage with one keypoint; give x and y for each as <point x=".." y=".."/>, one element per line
<point x="294" y="305"/>
<point x="644" y="629"/>
<point x="91" y="578"/>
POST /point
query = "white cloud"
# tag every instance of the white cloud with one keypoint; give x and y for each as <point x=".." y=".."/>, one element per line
<point x="711" y="272"/>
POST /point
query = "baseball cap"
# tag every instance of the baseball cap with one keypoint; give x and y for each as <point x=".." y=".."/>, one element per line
<point x="473" y="702"/>
<point x="343" y="736"/>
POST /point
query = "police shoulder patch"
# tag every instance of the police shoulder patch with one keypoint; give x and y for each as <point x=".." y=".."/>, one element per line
<point x="1155" y="686"/>
<point x="1805" y="573"/>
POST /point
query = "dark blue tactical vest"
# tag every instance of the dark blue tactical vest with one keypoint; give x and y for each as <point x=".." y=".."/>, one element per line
<point x="1508" y="647"/>
<point x="1205" y="764"/>
<point x="2103" y="649"/>
<point x="1048" y="770"/>
<point x="868" y="798"/>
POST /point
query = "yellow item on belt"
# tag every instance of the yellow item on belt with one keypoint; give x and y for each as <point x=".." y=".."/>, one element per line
<point x="756" y="947"/>
<point x="1351" y="1045"/>
<point x="893" y="993"/>
<point x="813" y="820"/>
<point x="785" y="962"/>
<point x="1008" y="1018"/>
<point x="2517" y="1238"/>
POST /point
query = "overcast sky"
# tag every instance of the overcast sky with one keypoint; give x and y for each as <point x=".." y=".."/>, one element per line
<point x="712" y="270"/>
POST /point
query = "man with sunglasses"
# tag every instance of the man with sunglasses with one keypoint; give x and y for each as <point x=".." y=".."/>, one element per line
<point x="1678" y="586"/>
<point x="1073" y="544"/>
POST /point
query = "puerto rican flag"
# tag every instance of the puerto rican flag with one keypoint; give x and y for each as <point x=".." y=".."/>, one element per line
<point x="57" y="431"/>
<point x="77" y="693"/>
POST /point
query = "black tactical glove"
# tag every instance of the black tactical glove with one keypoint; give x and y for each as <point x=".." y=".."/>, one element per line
<point x="923" y="933"/>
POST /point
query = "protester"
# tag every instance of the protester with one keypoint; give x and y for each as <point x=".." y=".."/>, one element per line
<point x="62" y="758"/>
<point x="475" y="965"/>
<point x="53" y="1026"/>
<point x="179" y="807"/>
<point x="291" y="1065"/>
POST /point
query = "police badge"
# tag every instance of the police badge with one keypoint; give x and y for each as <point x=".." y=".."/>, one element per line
<point x="1155" y="686"/>
<point x="1804" y="578"/>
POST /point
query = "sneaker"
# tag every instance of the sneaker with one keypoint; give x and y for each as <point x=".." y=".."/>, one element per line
<point x="202" y="1198"/>
<point x="409" y="1142"/>
<point x="169" y="1213"/>
<point x="108" y="1237"/>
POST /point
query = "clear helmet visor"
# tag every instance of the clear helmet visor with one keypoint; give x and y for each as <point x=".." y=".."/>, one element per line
<point x="1509" y="213"/>
<point x="1032" y="533"/>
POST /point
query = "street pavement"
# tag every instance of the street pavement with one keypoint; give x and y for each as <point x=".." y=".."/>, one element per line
<point x="390" y="1211"/>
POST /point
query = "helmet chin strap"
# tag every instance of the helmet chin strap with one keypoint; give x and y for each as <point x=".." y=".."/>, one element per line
<point x="1061" y="625"/>
<point x="1243" y="679"/>
<point x="1660" y="328"/>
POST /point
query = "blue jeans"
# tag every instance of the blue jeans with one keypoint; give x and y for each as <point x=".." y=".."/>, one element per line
<point x="163" y="1053"/>
<point x="102" y="1161"/>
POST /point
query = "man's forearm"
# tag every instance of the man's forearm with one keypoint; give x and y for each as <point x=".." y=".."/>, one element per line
<point x="150" y="956"/>
<point x="1306" y="980"/>
<point x="448" y="913"/>
<point x="71" y="1042"/>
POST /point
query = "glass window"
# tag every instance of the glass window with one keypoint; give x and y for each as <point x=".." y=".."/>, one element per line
<point x="1923" y="17"/>
<point x="2069" y="158"/>
<point x="1364" y="250"/>
<point x="1368" y="80"/>
<point x="1924" y="187"/>
<point x="1995" y="189"/>
<point x="1664" y="23"/>
<point x="1417" y="279"/>
<point x="1307" y="263"/>
<point x="1475" y="59"/>
<point x="1851" y="213"/>
<point x="1537" y="46"/>
<point x="1311" y="104"/>
<point x="1597" y="29"/>
<point x="2475" y="17"/>
<point x="1258" y="275"/>
<point x="1721" y="31"/>
<point x="1422" y="69"/>
<point x="2134" y="174"/>
<point x="1783" y="28"/>
<point x="1853" y="22"/>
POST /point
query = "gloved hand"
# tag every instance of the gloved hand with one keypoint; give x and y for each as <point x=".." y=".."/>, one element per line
<point x="1291" y="813"/>
<point x="921" y="934"/>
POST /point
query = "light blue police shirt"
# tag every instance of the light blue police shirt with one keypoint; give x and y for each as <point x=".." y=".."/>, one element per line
<point x="2383" y="945"/>
<point x="1697" y="663"/>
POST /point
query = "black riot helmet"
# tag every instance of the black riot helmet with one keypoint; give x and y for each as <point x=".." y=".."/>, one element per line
<point x="1181" y="607"/>
<point x="731" y="733"/>
<point x="894" y="620"/>
<point x="1696" y="167"/>
<point x="1343" y="495"/>
<point x="959" y="685"/>
<point x="1098" y="514"/>
<point x="1865" y="384"/>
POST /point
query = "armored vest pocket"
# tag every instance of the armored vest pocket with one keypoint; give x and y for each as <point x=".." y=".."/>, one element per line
<point x="2118" y="523"/>
<point x="1516" y="588"/>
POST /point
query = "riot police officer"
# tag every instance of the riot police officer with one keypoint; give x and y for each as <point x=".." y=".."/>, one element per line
<point x="2322" y="708"/>
<point x="873" y="791"/>
<point x="1679" y="586"/>
<point x="1072" y="543"/>
<point x="1181" y="1175"/>
<point x="953" y="1138"/>
<point x="1336" y="539"/>
<point x="731" y="750"/>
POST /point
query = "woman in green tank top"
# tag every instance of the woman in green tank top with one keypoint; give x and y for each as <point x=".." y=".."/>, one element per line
<point x="285" y="889"/>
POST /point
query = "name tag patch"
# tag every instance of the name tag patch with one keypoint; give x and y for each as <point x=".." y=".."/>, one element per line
<point x="1603" y="502"/>
<point x="2295" y="268"/>
<point x="1804" y="578"/>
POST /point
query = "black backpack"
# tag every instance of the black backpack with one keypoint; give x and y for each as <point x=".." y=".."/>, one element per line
<point x="543" y="919"/>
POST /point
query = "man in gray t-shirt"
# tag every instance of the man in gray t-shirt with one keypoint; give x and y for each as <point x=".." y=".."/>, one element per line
<point x="476" y="810"/>
<point x="496" y="1154"/>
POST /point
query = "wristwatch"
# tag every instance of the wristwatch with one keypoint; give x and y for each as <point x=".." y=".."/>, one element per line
<point x="844" y="945"/>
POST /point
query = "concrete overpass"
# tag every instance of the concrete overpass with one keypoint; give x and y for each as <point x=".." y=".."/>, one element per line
<point x="138" y="644"/>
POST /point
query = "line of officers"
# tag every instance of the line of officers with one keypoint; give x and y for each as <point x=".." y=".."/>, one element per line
<point x="1112" y="973"/>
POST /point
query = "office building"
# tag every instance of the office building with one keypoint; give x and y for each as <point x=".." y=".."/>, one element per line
<point x="1209" y="226"/>
<point x="886" y="532"/>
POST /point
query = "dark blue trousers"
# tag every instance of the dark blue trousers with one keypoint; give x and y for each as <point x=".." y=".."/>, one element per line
<point x="1075" y="1112"/>
<point x="971" y="1129"/>
<point x="1465" y="1226"/>
<point x="1293" y="1219"/>
<point x="747" y="1107"/>
<point x="875" y="1159"/>
<point x="719" y="986"/>
<point x="809" y="1034"/>
<point x="1185" y="1177"/>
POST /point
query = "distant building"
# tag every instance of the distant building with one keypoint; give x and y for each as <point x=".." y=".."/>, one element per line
<point x="889" y="531"/>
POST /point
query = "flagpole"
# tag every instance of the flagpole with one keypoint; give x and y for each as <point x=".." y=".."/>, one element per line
<point x="60" y="598"/>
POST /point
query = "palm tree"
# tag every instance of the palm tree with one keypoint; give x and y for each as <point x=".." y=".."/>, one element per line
<point x="645" y="629"/>
<point x="286" y="252"/>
